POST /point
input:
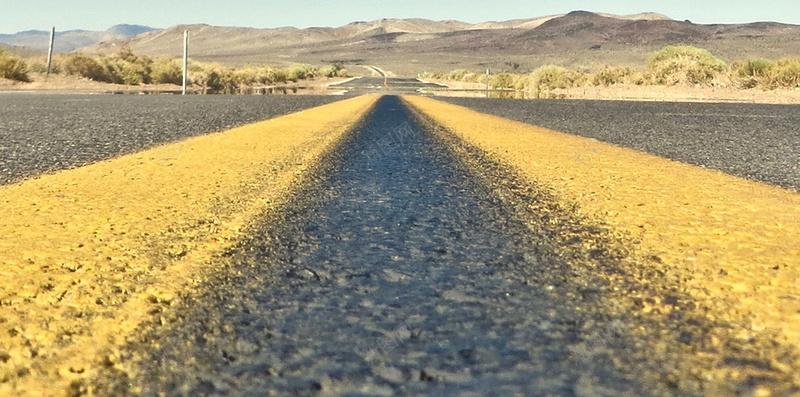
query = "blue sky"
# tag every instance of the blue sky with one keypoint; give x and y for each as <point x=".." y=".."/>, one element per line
<point x="20" y="15"/>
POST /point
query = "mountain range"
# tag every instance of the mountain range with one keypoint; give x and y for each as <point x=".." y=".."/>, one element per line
<point x="407" y="46"/>
<point x="70" y="40"/>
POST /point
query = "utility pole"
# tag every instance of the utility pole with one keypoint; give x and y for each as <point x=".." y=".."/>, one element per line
<point x="185" y="60"/>
<point x="50" y="50"/>
<point x="487" y="83"/>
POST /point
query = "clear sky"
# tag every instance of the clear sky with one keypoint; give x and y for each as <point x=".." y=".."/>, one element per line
<point x="18" y="15"/>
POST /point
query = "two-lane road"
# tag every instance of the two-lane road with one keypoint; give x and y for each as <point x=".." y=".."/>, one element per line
<point x="384" y="85"/>
<point x="394" y="247"/>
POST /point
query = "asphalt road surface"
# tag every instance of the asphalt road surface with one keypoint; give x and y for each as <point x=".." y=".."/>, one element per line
<point x="401" y="270"/>
<point x="410" y="264"/>
<point x="758" y="142"/>
<point x="44" y="133"/>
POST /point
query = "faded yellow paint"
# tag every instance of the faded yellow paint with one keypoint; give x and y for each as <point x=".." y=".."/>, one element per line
<point x="89" y="253"/>
<point x="736" y="242"/>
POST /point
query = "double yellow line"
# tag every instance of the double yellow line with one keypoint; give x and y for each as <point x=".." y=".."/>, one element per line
<point x="735" y="243"/>
<point x="87" y="253"/>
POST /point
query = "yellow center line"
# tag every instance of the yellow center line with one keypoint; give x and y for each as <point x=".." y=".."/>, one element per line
<point x="735" y="242"/>
<point x="88" y="254"/>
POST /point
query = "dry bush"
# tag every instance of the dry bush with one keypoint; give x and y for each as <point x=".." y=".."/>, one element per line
<point x="551" y="77"/>
<point x="12" y="67"/>
<point x="674" y="65"/>
<point x="86" y="66"/>
<point x="786" y="73"/>
<point x="300" y="71"/>
<point x="614" y="75"/>
<point x="751" y="73"/>
<point x="166" y="71"/>
<point x="457" y="75"/>
<point x="502" y="81"/>
<point x="249" y="76"/>
<point x="522" y="82"/>
<point x="128" y="68"/>
<point x="280" y="76"/>
<point x="334" y="70"/>
<point x="120" y="71"/>
<point x="212" y="78"/>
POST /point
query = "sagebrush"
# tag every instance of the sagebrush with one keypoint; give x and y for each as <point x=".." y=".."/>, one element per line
<point x="125" y="67"/>
<point x="12" y="67"/>
<point x="672" y="65"/>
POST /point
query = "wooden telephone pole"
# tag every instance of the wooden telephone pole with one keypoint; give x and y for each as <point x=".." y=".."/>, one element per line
<point x="185" y="60"/>
<point x="50" y="50"/>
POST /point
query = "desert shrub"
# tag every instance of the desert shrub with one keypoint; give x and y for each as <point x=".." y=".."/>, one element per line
<point x="335" y="70"/>
<point x="58" y="62"/>
<point x="434" y="76"/>
<point x="279" y="76"/>
<point x="786" y="73"/>
<point x="457" y="75"/>
<point x="752" y="73"/>
<point x="166" y="71"/>
<point x="522" y="82"/>
<point x="328" y="71"/>
<point x="126" y="55"/>
<point x="551" y="77"/>
<point x="137" y="70"/>
<point x="257" y="75"/>
<point x="753" y="68"/>
<point x="88" y="67"/>
<point x="248" y="76"/>
<point x="470" y="77"/>
<point x="135" y="74"/>
<point x="502" y="80"/>
<point x="684" y="64"/>
<point x="12" y="67"/>
<point x="611" y="76"/>
<point x="37" y="67"/>
<point x="213" y="78"/>
<point x="125" y="67"/>
<point x="114" y="69"/>
<point x="299" y="71"/>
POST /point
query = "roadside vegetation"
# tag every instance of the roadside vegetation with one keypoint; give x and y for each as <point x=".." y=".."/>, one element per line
<point x="670" y="66"/>
<point x="12" y="67"/>
<point x="127" y="68"/>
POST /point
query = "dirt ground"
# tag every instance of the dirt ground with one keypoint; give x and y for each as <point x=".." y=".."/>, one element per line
<point x="682" y="93"/>
<point x="72" y="85"/>
<point x="644" y="93"/>
<point x="75" y="85"/>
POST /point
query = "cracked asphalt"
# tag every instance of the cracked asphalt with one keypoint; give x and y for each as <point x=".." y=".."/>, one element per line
<point x="402" y="268"/>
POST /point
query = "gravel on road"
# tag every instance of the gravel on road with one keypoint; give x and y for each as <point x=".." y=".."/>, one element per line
<point x="46" y="133"/>
<point x="758" y="142"/>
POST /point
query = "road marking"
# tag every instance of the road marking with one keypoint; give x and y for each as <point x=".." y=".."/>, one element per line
<point x="735" y="242"/>
<point x="90" y="253"/>
<point x="725" y="115"/>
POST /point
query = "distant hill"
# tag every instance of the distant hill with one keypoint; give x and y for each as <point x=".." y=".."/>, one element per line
<point x="579" y="39"/>
<point x="70" y="40"/>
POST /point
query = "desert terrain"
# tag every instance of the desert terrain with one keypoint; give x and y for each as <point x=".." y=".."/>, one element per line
<point x="617" y="214"/>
